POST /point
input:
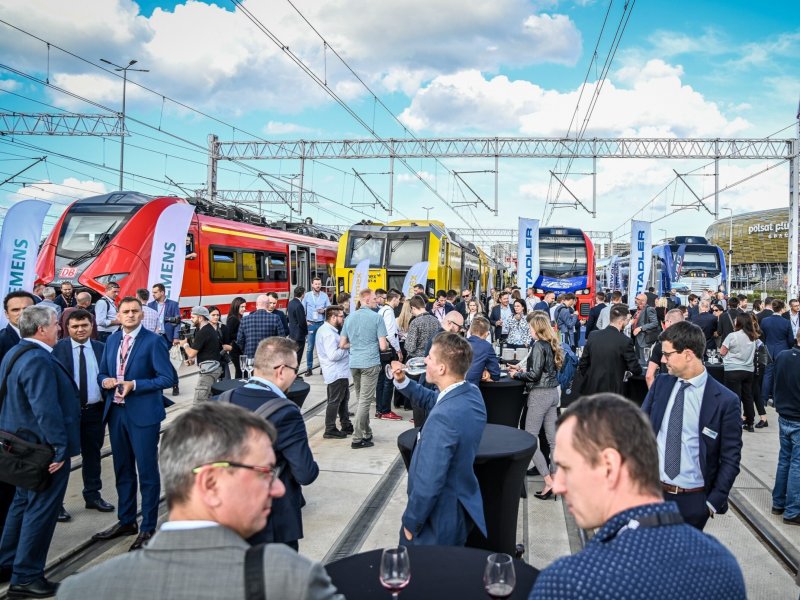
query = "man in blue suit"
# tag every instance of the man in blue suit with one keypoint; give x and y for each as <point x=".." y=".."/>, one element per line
<point x="81" y="356"/>
<point x="444" y="498"/>
<point x="134" y="369"/>
<point x="41" y="398"/>
<point x="484" y="358"/>
<point x="168" y="311"/>
<point x="697" y="425"/>
<point x="777" y="335"/>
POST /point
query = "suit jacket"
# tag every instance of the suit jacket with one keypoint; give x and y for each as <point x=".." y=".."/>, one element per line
<point x="149" y="366"/>
<point x="719" y="413"/>
<point x="211" y="563"/>
<point x="292" y="450"/>
<point x="777" y="334"/>
<point x="494" y="317"/>
<point x="171" y="309"/>
<point x="298" y="326"/>
<point x="708" y="323"/>
<point x="441" y="478"/>
<point x="767" y="312"/>
<point x="648" y="321"/>
<point x="483" y="357"/>
<point x="606" y="357"/>
<point x="63" y="352"/>
<point x="8" y="339"/>
<point x="42" y="398"/>
<point x="256" y="326"/>
<point x="594" y="314"/>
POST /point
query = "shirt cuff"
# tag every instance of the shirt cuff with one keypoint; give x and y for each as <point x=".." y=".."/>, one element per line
<point x="711" y="508"/>
<point x="401" y="385"/>
<point x="134" y="385"/>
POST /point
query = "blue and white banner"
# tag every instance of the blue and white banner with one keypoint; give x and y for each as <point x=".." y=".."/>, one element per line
<point x="615" y="281"/>
<point x="641" y="250"/>
<point x="19" y="245"/>
<point x="416" y="274"/>
<point x="528" y="253"/>
<point x="679" y="263"/>
<point x="168" y="256"/>
<point x="360" y="281"/>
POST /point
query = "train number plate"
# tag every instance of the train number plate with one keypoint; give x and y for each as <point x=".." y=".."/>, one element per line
<point x="68" y="272"/>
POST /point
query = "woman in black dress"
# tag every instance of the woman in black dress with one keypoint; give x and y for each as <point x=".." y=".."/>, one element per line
<point x="234" y="319"/>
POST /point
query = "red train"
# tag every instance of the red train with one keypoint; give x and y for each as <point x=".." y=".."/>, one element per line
<point x="109" y="238"/>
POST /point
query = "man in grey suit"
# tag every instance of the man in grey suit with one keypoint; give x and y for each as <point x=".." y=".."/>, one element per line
<point x="220" y="477"/>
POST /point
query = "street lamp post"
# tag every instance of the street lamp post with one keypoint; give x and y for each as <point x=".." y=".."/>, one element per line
<point x="730" y="246"/>
<point x="427" y="210"/>
<point x="124" y="86"/>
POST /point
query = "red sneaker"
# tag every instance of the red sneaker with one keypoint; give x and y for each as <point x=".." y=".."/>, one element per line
<point x="391" y="416"/>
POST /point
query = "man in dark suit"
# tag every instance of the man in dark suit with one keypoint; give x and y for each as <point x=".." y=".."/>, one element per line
<point x="66" y="299"/>
<point x="81" y="356"/>
<point x="134" y="370"/>
<point x="689" y="409"/>
<point x="40" y="398"/>
<point x="275" y="371"/>
<point x="499" y="313"/>
<point x="767" y="312"/>
<point x="298" y="326"/>
<point x="463" y="304"/>
<point x="83" y="302"/>
<point x="484" y="359"/>
<point x="785" y="499"/>
<point x="272" y="308"/>
<point x="259" y="325"/>
<point x="645" y="326"/>
<point x="727" y="319"/>
<point x="693" y="306"/>
<point x="594" y="313"/>
<point x="651" y="296"/>
<point x="546" y="302"/>
<point x="707" y="321"/>
<point x="443" y="492"/>
<point x="776" y="333"/>
<point x="607" y="355"/>
<point x="169" y="314"/>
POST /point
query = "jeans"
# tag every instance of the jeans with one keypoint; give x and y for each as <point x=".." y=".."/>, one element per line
<point x="786" y="494"/>
<point x="310" y="339"/>
<point x="365" y="382"/>
<point x="383" y="395"/>
<point x="766" y="385"/>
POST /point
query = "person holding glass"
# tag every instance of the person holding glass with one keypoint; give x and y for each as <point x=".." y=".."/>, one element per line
<point x="519" y="333"/>
<point x="541" y="378"/>
<point x="738" y="353"/>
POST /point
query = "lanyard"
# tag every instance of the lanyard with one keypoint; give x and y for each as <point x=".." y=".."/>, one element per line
<point x="124" y="359"/>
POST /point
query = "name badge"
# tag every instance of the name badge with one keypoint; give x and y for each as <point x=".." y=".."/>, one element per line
<point x="710" y="433"/>
<point x="419" y="435"/>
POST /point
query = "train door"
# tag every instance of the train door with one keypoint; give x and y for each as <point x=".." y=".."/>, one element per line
<point x="299" y="266"/>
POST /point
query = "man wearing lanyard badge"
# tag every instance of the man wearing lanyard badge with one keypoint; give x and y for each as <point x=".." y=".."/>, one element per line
<point x="315" y="302"/>
<point x="169" y="314"/>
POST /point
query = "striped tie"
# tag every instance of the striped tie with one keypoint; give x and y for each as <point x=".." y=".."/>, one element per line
<point x="672" y="452"/>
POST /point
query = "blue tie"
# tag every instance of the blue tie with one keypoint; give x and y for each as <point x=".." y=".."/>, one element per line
<point x="672" y="451"/>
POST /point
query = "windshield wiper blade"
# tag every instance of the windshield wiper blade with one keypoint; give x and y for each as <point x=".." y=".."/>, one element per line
<point x="364" y="240"/>
<point x="98" y="245"/>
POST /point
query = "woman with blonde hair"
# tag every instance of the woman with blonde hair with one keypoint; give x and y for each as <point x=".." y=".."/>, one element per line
<point x="541" y="377"/>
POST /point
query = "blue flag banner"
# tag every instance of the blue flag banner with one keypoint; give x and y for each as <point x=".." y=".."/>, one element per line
<point x="528" y="253"/>
<point x="641" y="249"/>
<point x="19" y="245"/>
<point x="416" y="274"/>
<point x="360" y="281"/>
<point x="168" y="256"/>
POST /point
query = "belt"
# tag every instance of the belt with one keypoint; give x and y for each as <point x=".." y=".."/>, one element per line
<point x="93" y="405"/>
<point x="674" y="489"/>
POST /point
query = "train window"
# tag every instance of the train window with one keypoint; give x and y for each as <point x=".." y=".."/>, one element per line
<point x="405" y="252"/>
<point x="223" y="265"/>
<point x="276" y="267"/>
<point x="253" y="266"/>
<point x="83" y="233"/>
<point x="366" y="247"/>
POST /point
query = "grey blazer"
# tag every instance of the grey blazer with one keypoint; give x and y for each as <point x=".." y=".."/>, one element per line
<point x="194" y="564"/>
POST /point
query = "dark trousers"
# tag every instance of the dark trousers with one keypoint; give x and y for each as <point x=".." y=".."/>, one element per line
<point x="29" y="528"/>
<point x="301" y="344"/>
<point x="758" y="381"/>
<point x="92" y="434"/>
<point x="237" y="369"/>
<point x="7" y="492"/>
<point x="135" y="449"/>
<point x="692" y="507"/>
<point x="338" y="398"/>
<point x="766" y="384"/>
<point x="383" y="393"/>
<point x="741" y="384"/>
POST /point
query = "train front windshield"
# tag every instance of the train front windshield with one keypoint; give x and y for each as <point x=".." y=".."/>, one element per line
<point x="703" y="259"/>
<point x="363" y="246"/>
<point x="562" y="257"/>
<point x="84" y="232"/>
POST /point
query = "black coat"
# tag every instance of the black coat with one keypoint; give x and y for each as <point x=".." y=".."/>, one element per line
<point x="607" y="355"/>
<point x="708" y="323"/>
<point x="594" y="314"/>
<point x="8" y="339"/>
<point x="298" y="327"/>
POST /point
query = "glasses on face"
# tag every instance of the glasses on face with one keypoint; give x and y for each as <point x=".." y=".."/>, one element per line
<point x="460" y="327"/>
<point x="465" y="295"/>
<point x="668" y="354"/>
<point x="295" y="369"/>
<point x="269" y="474"/>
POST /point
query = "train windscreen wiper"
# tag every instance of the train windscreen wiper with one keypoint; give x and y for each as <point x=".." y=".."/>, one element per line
<point x="98" y="245"/>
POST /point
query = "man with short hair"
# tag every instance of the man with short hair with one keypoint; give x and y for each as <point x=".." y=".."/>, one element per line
<point x="607" y="355"/>
<point x="421" y="330"/>
<point x="693" y="309"/>
<point x="644" y="326"/>
<point x="776" y="333"/>
<point x="220" y="481"/>
<point x="150" y="318"/>
<point x="594" y="312"/>
<point x="169" y="314"/>
<point x="697" y="425"/>
<point x="13" y="305"/>
<point x="608" y="465"/>
<point x="66" y="299"/>
<point x="727" y="320"/>
<point x="603" y="317"/>
<point x="786" y="492"/>
<point x="383" y="400"/>
<point x="793" y="315"/>
<point x="205" y="350"/>
<point x="546" y="302"/>
<point x="463" y="303"/>
<point x="259" y="325"/>
<point x="707" y="321"/>
<point x="444" y="498"/>
<point x="500" y="312"/>
<point x="655" y="366"/>
<point x="49" y="299"/>
<point x="485" y="365"/>
<point x="83" y="302"/>
<point x="275" y="370"/>
<point x="315" y="302"/>
<point x="441" y="306"/>
<point x="298" y="323"/>
<point x="419" y="290"/>
<point x="743" y="303"/>
<point x="767" y="312"/>
<point x="531" y="299"/>
<point x="41" y="404"/>
<point x="651" y="296"/>
<point x="105" y="312"/>
<point x="565" y="318"/>
<point x="334" y="362"/>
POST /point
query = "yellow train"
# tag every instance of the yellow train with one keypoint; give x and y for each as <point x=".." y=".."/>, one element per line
<point x="393" y="248"/>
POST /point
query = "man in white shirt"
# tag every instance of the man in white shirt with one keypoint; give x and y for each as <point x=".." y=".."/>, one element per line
<point x="150" y="319"/>
<point x="105" y="312"/>
<point x="334" y="363"/>
<point x="383" y="399"/>
<point x="314" y="302"/>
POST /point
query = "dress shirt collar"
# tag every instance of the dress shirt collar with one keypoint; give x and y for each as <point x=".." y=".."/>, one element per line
<point x="87" y="343"/>
<point x="699" y="381"/>
<point x="623" y="519"/>
<point x="260" y="382"/>
<point x="40" y="343"/>
<point x="186" y="525"/>
<point x="133" y="333"/>
<point x="449" y="388"/>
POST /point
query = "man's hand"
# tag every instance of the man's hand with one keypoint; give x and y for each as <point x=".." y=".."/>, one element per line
<point x="397" y="371"/>
<point x="109" y="383"/>
<point x="127" y="388"/>
<point x="56" y="466"/>
<point x="176" y="342"/>
<point x="637" y="330"/>
<point x="407" y="533"/>
<point x="499" y="323"/>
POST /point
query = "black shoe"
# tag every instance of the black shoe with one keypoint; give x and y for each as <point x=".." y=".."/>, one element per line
<point x="308" y="373"/>
<point x="116" y="531"/>
<point x="792" y="521"/>
<point x="64" y="516"/>
<point x="545" y="496"/>
<point x="368" y="438"/>
<point x="175" y="390"/>
<point x="761" y="424"/>
<point x="141" y="540"/>
<point x="362" y="444"/>
<point x="749" y="428"/>
<point x="5" y="574"/>
<point x="38" y="588"/>
<point x="776" y="511"/>
<point x="100" y="505"/>
<point x="334" y="434"/>
<point x="348" y="429"/>
<point x="532" y="472"/>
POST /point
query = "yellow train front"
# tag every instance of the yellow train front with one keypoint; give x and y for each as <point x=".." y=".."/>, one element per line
<point x="393" y="248"/>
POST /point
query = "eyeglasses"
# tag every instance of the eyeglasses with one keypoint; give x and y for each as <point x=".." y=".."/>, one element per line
<point x="460" y="327"/>
<point x="465" y="295"/>
<point x="270" y="473"/>
<point x="295" y="369"/>
<point x="668" y="354"/>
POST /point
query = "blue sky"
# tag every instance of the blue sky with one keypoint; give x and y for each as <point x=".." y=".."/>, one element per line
<point x="442" y="67"/>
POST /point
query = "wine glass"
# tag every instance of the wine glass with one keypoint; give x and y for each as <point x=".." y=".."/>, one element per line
<point x="710" y="354"/>
<point x="414" y="367"/>
<point x="395" y="569"/>
<point x="499" y="578"/>
<point x="243" y="364"/>
<point x="250" y="365"/>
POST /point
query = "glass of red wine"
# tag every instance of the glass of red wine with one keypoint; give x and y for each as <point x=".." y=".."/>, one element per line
<point x="395" y="569"/>
<point x="499" y="578"/>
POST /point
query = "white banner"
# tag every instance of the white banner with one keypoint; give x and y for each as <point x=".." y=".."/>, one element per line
<point x="168" y="257"/>
<point x="360" y="281"/>
<point x="528" y="253"/>
<point x="641" y="250"/>
<point x="416" y="274"/>
<point x="19" y="245"/>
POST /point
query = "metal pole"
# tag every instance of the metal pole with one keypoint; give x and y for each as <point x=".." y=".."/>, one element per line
<point x="122" y="137"/>
<point x="716" y="179"/>
<point x="211" y="181"/>
<point x="391" y="184"/>
<point x="594" y="187"/>
<point x="427" y="210"/>
<point x="794" y="218"/>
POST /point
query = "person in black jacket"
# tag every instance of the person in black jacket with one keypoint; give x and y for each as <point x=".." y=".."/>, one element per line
<point x="594" y="313"/>
<point x="787" y="404"/>
<point x="727" y="319"/>
<point x="237" y="309"/>
<point x="707" y="320"/>
<point x="298" y="327"/>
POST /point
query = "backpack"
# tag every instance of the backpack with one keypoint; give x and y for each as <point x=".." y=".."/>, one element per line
<point x="567" y="372"/>
<point x="265" y="410"/>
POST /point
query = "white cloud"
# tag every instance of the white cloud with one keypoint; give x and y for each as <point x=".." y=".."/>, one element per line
<point x="66" y="192"/>
<point x="281" y="128"/>
<point x="412" y="178"/>
<point x="9" y="85"/>
<point x="672" y="43"/>
<point x="762" y="54"/>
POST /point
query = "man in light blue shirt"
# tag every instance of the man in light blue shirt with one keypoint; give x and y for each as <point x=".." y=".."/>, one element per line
<point x="314" y="302"/>
<point x="364" y="332"/>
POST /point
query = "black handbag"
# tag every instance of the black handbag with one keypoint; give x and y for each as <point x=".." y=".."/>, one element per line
<point x="23" y="463"/>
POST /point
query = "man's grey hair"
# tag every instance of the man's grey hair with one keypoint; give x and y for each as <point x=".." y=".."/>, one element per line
<point x="83" y="298"/>
<point x="34" y="317"/>
<point x="207" y="433"/>
<point x="674" y="315"/>
<point x="49" y="293"/>
<point x="274" y="351"/>
<point x="705" y="305"/>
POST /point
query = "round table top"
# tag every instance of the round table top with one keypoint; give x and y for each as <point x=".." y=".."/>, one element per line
<point x="436" y="572"/>
<point x="504" y="382"/>
<point x="497" y="441"/>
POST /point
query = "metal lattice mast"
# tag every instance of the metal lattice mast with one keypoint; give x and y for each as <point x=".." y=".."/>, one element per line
<point x="60" y="124"/>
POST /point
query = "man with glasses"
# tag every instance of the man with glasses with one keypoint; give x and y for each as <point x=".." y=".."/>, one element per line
<point x="219" y="469"/>
<point x="334" y="362"/>
<point x="274" y="373"/>
<point x="793" y="315"/>
<point x="463" y="303"/>
<point x="105" y="312"/>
